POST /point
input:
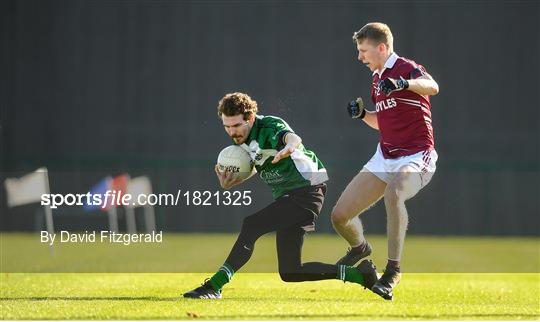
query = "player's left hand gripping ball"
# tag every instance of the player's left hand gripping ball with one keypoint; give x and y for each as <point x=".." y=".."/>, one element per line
<point x="389" y="85"/>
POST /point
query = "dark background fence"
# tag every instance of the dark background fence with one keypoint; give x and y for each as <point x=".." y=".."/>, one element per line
<point x="91" y="88"/>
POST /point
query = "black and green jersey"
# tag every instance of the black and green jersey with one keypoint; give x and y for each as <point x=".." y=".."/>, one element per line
<point x="301" y="169"/>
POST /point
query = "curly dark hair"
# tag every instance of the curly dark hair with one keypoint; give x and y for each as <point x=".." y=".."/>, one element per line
<point x="237" y="103"/>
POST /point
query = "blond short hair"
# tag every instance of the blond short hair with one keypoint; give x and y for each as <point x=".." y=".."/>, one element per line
<point x="377" y="32"/>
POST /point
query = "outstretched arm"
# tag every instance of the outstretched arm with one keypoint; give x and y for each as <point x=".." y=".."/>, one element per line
<point x="292" y="141"/>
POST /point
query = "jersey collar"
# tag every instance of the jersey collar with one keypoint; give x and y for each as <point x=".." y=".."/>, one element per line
<point x="254" y="129"/>
<point x="388" y="64"/>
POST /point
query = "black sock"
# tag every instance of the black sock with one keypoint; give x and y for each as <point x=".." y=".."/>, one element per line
<point x="360" y="248"/>
<point x="393" y="265"/>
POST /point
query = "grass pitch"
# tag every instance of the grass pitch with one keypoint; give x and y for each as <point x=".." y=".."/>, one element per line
<point x="258" y="296"/>
<point x="192" y="252"/>
<point x="453" y="278"/>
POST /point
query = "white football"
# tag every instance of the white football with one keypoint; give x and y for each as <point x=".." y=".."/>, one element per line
<point x="236" y="160"/>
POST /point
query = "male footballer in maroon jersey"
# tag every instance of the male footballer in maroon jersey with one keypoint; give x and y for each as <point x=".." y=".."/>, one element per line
<point x="404" y="161"/>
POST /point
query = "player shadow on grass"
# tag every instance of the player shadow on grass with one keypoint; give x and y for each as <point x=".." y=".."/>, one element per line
<point x="89" y="298"/>
<point x="300" y="299"/>
<point x="364" y="316"/>
<point x="172" y="299"/>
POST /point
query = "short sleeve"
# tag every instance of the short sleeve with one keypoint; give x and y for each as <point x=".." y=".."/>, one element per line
<point x="277" y="128"/>
<point x="418" y="71"/>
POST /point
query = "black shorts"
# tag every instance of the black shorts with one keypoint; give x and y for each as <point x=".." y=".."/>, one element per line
<point x="300" y="207"/>
<point x="290" y="216"/>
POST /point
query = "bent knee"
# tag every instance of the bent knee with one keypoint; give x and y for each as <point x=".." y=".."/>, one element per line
<point x="340" y="217"/>
<point x="289" y="277"/>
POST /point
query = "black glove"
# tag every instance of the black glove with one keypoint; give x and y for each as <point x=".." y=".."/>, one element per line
<point x="356" y="108"/>
<point x="390" y="85"/>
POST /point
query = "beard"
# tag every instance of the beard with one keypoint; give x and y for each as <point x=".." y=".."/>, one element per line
<point x="237" y="139"/>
